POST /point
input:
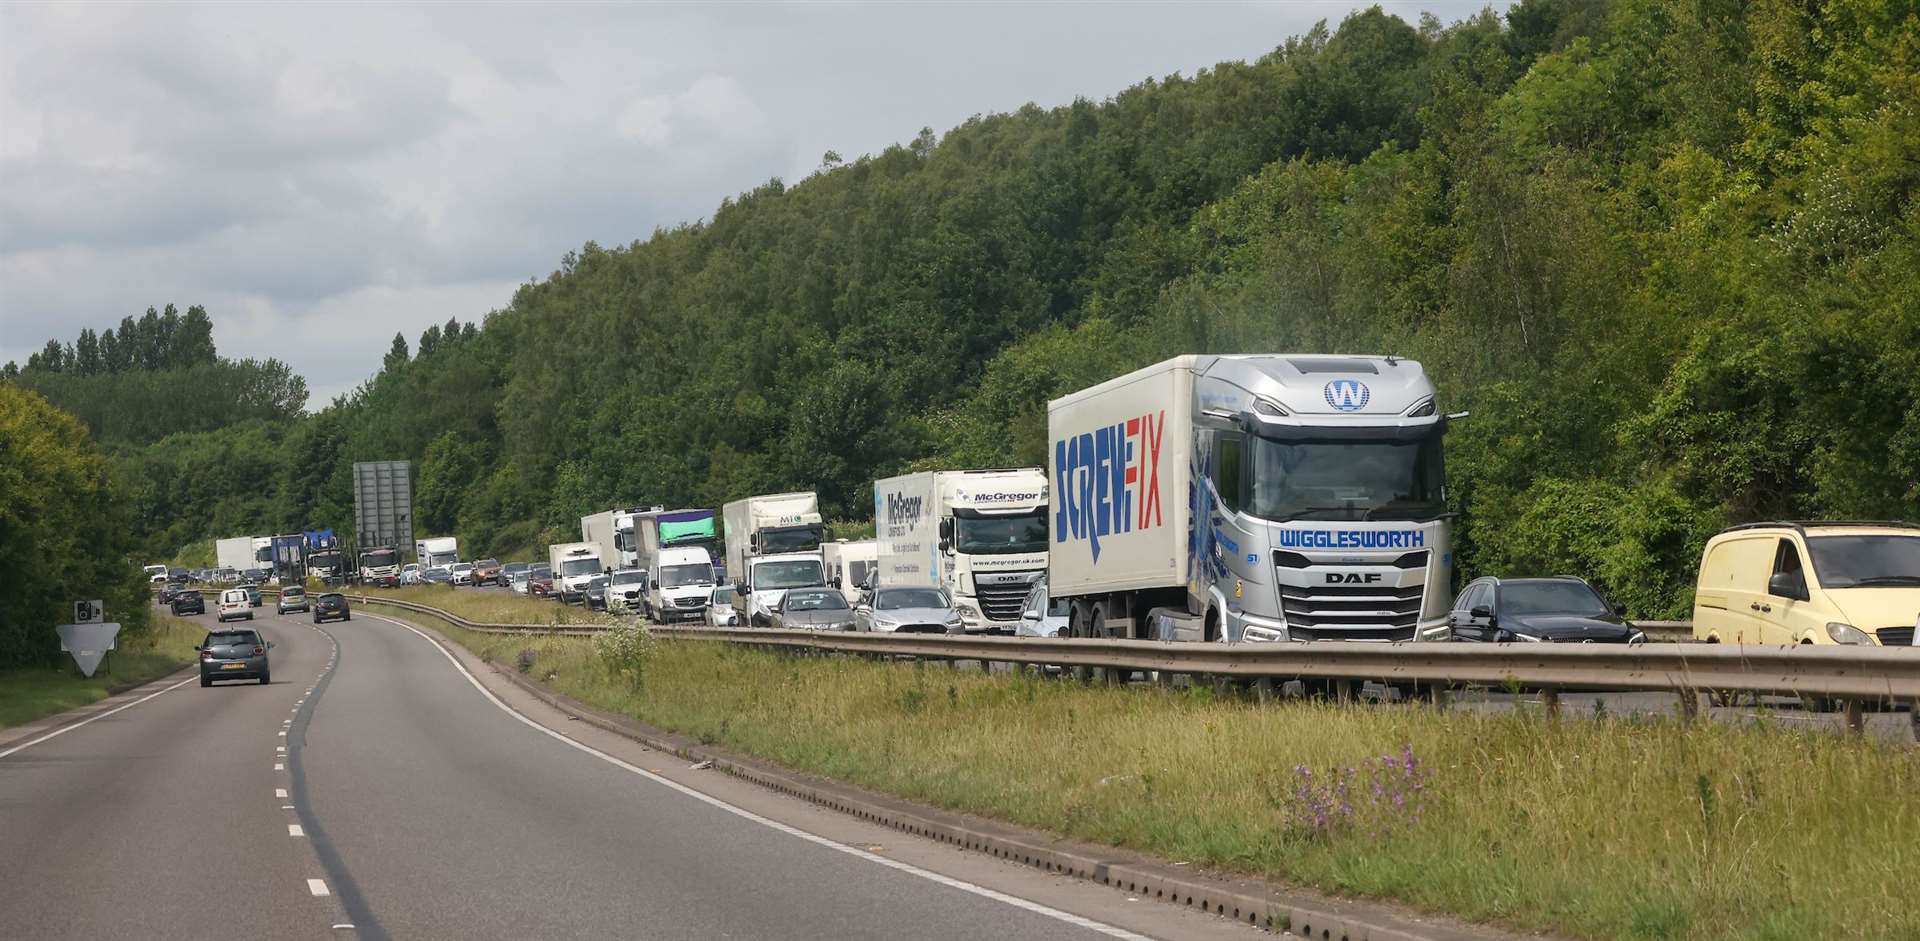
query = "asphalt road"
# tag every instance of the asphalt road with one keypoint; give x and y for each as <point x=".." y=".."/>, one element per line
<point x="411" y="803"/>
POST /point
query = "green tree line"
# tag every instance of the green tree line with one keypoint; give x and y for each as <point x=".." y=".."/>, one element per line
<point x="1664" y="251"/>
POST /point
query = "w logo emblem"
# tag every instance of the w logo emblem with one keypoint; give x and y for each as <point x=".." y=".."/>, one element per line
<point x="1347" y="395"/>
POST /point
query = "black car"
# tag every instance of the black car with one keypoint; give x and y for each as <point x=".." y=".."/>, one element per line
<point x="1563" y="610"/>
<point x="188" y="601"/>
<point x="168" y="590"/>
<point x="331" y="606"/>
<point x="234" y="655"/>
<point x="253" y="593"/>
<point x="595" y="594"/>
<point x="436" y="576"/>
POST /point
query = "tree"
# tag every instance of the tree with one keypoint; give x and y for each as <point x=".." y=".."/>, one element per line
<point x="397" y="355"/>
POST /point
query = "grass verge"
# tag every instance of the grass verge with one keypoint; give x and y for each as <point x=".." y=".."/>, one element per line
<point x="1592" y="828"/>
<point x="30" y="693"/>
<point x="487" y="606"/>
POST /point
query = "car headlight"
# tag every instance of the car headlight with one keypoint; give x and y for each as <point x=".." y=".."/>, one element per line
<point x="954" y="619"/>
<point x="1637" y="637"/>
<point x="1847" y="634"/>
<point x="1525" y="638"/>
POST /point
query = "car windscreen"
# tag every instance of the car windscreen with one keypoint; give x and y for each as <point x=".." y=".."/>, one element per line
<point x="487" y="564"/>
<point x="814" y="601"/>
<point x="540" y="571"/>
<point x="629" y="578"/>
<point x="1866" y="561"/>
<point x="893" y="599"/>
<point x="1550" y="598"/>
<point x="598" y="581"/>
<point x="292" y="592"/>
<point x="231" y="638"/>
<point x="331" y="598"/>
<point x="680" y="576"/>
<point x="723" y="596"/>
<point x="188" y="595"/>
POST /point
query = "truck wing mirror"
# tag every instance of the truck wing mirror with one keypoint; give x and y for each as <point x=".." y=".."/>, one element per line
<point x="946" y="546"/>
<point x="946" y="529"/>
<point x="742" y="589"/>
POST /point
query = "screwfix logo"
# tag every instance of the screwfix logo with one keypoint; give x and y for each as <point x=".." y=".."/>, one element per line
<point x="1108" y="481"/>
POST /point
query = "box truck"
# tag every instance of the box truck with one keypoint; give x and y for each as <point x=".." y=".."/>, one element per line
<point x="657" y="530"/>
<point x="573" y="564"/>
<point x="613" y="532"/>
<point x="1252" y="498"/>
<point x="850" y="564"/>
<point x="981" y="535"/>
<point x="439" y="552"/>
<point x="235" y="553"/>
<point x="673" y="545"/>
<point x="773" y="544"/>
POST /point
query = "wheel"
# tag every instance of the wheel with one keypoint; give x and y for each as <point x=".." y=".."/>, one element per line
<point x="347" y="618"/>
<point x="316" y="620"/>
<point x="206" y="680"/>
<point x="249" y="615"/>
<point x="266" y="678"/>
<point x="1097" y="627"/>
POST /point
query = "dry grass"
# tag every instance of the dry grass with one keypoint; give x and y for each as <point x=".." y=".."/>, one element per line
<point x="489" y="606"/>
<point x="1591" y="828"/>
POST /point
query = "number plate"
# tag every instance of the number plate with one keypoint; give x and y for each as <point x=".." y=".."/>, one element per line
<point x="233" y="666"/>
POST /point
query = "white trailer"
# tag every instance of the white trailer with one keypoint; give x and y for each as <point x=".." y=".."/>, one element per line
<point x="773" y="544"/>
<point x="613" y="532"/>
<point x="850" y="564"/>
<point x="235" y="553"/>
<point x="438" y="552"/>
<point x="979" y="534"/>
<point x="573" y="564"/>
<point x="1252" y="498"/>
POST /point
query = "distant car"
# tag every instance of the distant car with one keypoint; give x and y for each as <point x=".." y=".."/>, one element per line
<point x="156" y="573"/>
<point x="292" y="598"/>
<point x="462" y="573"/>
<point x="436" y="576"/>
<point x="331" y="606"/>
<point x="178" y="575"/>
<point x="540" y="582"/>
<point x="909" y="610"/>
<point x="1041" y="616"/>
<point x="509" y="570"/>
<point x="594" y="595"/>
<point x="1562" y="610"/>
<point x="253" y="593"/>
<point x="720" y="612"/>
<point x="188" y="601"/>
<point x="813" y="609"/>
<point x="234" y="655"/>
<point x="235" y="603"/>
<point x="168" y="590"/>
<point x="410" y="573"/>
<point x="486" y="572"/>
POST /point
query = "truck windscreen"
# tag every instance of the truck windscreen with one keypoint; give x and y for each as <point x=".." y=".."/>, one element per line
<point x="790" y="539"/>
<point x="799" y="573"/>
<point x="1001" y="535"/>
<point x="1347" y="480"/>
<point x="380" y="559"/>
<point x="586" y="566"/>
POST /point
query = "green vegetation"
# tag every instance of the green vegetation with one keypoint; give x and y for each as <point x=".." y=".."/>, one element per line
<point x="1597" y="828"/>
<point x="65" y="532"/>
<point x="486" y="607"/>
<point x="35" y="692"/>
<point x="1667" y="253"/>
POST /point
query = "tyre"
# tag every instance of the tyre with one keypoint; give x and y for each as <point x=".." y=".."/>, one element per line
<point x="266" y="679"/>
<point x="347" y="618"/>
<point x="206" y="680"/>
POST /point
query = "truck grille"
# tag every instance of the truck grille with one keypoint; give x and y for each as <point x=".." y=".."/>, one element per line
<point x="1002" y="602"/>
<point x="1895" y="636"/>
<point x="1351" y="612"/>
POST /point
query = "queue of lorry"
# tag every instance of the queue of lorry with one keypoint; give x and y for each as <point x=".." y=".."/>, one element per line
<point x="1206" y="498"/>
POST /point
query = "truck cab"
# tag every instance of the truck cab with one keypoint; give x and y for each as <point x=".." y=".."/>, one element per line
<point x="573" y="565"/>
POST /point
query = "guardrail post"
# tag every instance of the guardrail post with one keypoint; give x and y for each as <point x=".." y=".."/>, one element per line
<point x="1343" y="690"/>
<point x="1855" y="715"/>
<point x="1550" y="698"/>
<point x="1689" y="704"/>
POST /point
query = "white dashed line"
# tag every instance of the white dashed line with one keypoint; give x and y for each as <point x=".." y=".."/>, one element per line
<point x="277" y="766"/>
<point x="317" y="887"/>
<point x="280" y="792"/>
<point x="1079" y="921"/>
<point x="293" y="829"/>
<point x="279" y="748"/>
<point x="286" y="806"/>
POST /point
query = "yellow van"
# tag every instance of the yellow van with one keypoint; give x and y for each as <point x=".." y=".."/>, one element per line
<point x="1810" y="583"/>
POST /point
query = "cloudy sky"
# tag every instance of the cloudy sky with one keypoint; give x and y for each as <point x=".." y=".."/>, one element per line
<point x="320" y="176"/>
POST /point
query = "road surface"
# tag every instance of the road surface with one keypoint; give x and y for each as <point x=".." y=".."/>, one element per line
<point x="376" y="790"/>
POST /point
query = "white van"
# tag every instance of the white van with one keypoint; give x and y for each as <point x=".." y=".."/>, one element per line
<point x="235" y="602"/>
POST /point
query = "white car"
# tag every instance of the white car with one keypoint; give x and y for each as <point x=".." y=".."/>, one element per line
<point x="410" y="573"/>
<point x="462" y="573"/>
<point x="236" y="603"/>
<point x="720" y="611"/>
<point x="1040" y="616"/>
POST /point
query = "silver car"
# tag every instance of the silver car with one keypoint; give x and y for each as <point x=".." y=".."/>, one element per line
<point x="292" y="598"/>
<point x="1041" y="616"/>
<point x="234" y="655"/>
<point x="908" y="611"/>
<point x="813" y="609"/>
<point x="720" y="609"/>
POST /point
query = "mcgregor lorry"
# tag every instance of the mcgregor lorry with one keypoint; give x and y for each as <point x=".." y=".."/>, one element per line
<point x="773" y="544"/>
<point x="981" y="535"/>
<point x="573" y="564"/>
<point x="1252" y="498"/>
<point x="438" y="552"/>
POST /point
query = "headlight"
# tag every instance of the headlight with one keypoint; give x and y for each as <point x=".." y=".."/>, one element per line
<point x="1525" y="638"/>
<point x="1258" y="634"/>
<point x="1636" y="638"/>
<point x="882" y="624"/>
<point x="1847" y="634"/>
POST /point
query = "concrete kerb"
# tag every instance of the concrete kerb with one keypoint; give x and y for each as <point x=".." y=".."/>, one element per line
<point x="1255" y="903"/>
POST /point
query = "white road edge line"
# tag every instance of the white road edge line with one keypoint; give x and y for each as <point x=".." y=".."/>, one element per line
<point x="927" y="874"/>
<point x="56" y="733"/>
<point x="317" y="887"/>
